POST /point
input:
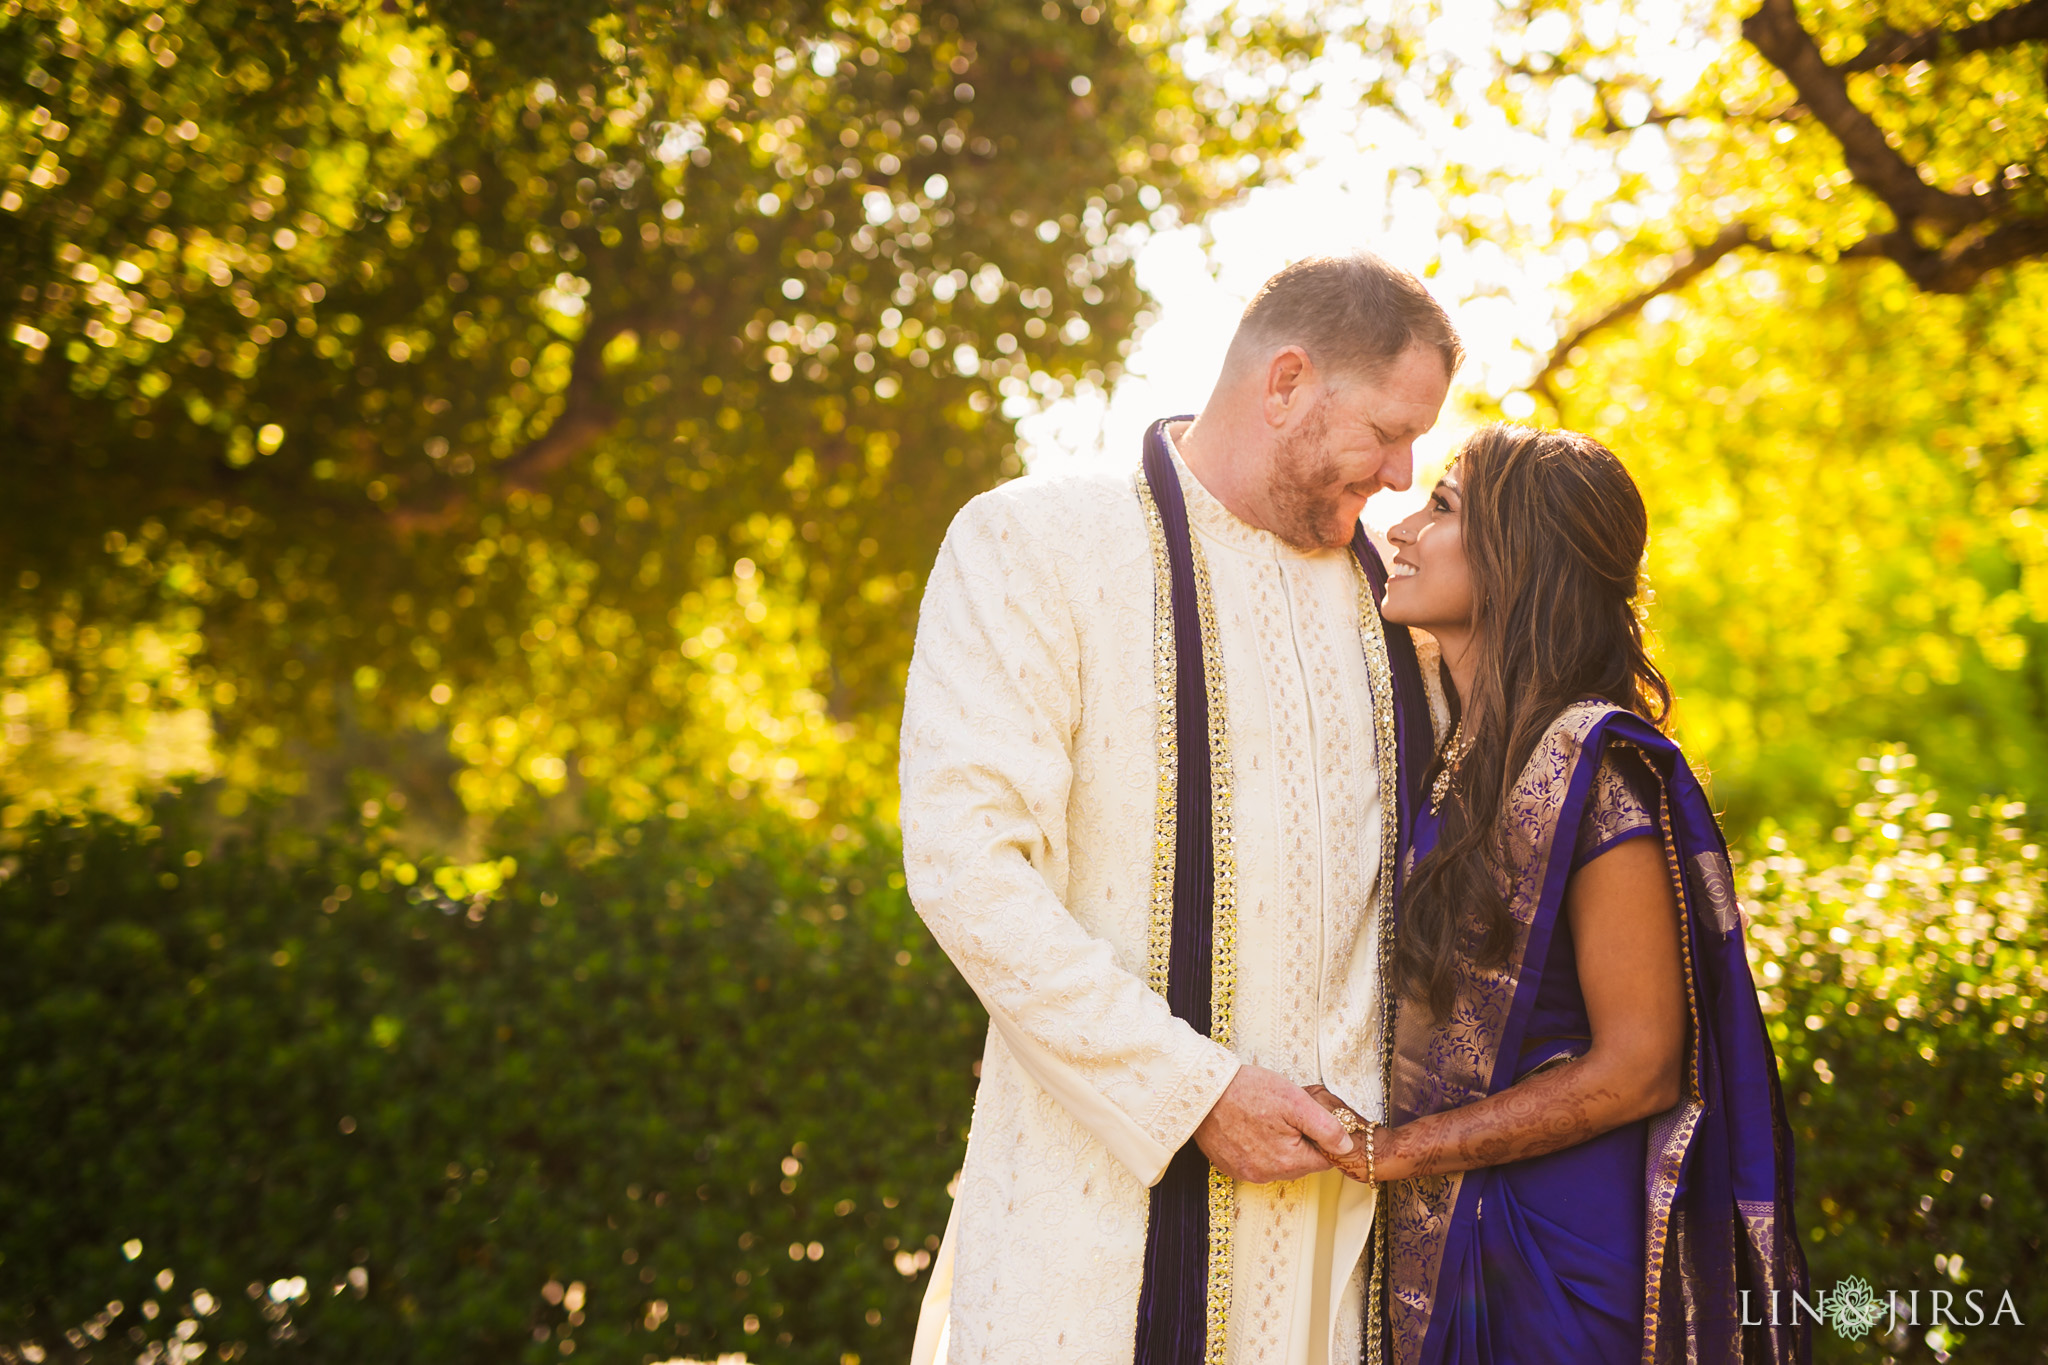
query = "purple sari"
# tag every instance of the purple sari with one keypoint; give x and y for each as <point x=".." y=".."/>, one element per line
<point x="1635" y="1245"/>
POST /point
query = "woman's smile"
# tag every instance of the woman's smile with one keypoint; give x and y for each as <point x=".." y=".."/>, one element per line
<point x="1432" y="539"/>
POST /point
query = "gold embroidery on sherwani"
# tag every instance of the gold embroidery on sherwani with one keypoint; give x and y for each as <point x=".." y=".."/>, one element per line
<point x="1223" y="864"/>
<point x="1165" y="824"/>
<point x="1223" y="944"/>
<point x="1386" y="757"/>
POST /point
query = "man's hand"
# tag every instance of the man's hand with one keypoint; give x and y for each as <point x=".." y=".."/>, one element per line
<point x="1267" y="1128"/>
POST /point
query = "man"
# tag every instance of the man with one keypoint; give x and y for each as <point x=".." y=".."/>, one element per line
<point x="1148" y="794"/>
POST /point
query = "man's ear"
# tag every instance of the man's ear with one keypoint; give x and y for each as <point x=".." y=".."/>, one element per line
<point x="1290" y="374"/>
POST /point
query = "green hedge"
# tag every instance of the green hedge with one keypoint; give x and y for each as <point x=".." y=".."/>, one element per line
<point x="599" y="1074"/>
<point x="1907" y="993"/>
<point x="713" y="1084"/>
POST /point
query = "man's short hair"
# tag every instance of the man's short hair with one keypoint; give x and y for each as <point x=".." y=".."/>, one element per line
<point x="1354" y="315"/>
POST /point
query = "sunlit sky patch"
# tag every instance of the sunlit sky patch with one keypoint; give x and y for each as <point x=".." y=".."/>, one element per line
<point x="1367" y="176"/>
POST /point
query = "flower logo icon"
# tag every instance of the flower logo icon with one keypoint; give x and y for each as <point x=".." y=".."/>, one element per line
<point x="1853" y="1308"/>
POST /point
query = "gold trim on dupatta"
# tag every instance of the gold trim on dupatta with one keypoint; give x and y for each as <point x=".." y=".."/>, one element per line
<point x="1670" y="1134"/>
<point x="1223" y="861"/>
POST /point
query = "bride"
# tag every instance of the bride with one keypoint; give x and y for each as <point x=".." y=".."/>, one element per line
<point x="1588" y="1159"/>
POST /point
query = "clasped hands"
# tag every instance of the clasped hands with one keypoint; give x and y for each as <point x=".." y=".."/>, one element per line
<point x="1267" y="1128"/>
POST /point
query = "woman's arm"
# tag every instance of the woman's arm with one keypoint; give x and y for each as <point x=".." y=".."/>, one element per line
<point x="1625" y="925"/>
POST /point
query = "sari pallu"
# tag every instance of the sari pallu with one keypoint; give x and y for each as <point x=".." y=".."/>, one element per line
<point x="1471" y="1280"/>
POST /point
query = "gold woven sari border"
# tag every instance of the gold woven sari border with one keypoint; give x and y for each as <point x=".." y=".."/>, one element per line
<point x="1667" y="1161"/>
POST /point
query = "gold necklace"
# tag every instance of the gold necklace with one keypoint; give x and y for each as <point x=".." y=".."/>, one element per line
<point x="1454" y="754"/>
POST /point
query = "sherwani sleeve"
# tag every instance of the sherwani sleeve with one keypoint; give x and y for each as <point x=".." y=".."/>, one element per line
<point x="990" y="711"/>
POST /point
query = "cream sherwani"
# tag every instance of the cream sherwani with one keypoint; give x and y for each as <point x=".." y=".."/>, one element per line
<point x="1028" y="804"/>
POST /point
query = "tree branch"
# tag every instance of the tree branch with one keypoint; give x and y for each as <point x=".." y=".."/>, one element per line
<point x="2027" y="22"/>
<point x="1975" y="243"/>
<point x="585" y="417"/>
<point x="1695" y="263"/>
<point x="1774" y="30"/>
<point x="1953" y="269"/>
<point x="1956" y="267"/>
<point x="1615" y="125"/>
<point x="1604" y="91"/>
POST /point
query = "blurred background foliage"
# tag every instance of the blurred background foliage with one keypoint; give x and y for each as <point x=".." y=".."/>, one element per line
<point x="1799" y="256"/>
<point x="1905" y="986"/>
<point x="701" y="1086"/>
<point x="1844" y="547"/>
<point x="582" y="387"/>
<point x="486" y="458"/>
<point x="691" y="1092"/>
<point x="554" y="413"/>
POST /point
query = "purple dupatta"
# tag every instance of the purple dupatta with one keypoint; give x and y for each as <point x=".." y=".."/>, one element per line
<point x="1173" y="1304"/>
<point x="1718" y="1174"/>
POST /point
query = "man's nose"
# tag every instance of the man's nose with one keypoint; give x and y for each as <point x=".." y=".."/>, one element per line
<point x="1398" y="471"/>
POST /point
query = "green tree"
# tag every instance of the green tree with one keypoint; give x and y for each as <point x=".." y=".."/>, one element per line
<point x="1842" y="427"/>
<point x="583" y="387"/>
<point x="1801" y="247"/>
<point x="1836" y="552"/>
<point x="1910" y="133"/>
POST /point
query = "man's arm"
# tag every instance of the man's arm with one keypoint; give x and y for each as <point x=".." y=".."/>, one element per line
<point x="989" y="714"/>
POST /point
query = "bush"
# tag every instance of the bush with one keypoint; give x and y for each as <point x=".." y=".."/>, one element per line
<point x="639" y="1098"/>
<point x="1907" y="993"/>
<point x="703" y="1094"/>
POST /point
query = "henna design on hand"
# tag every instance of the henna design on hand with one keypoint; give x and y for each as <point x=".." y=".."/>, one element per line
<point x="1540" y="1115"/>
<point x="1545" y="1113"/>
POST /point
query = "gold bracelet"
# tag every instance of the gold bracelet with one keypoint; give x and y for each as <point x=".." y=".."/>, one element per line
<point x="1352" y="1123"/>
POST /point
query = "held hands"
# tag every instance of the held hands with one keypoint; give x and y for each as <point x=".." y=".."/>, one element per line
<point x="1267" y="1128"/>
<point x="1352" y="1163"/>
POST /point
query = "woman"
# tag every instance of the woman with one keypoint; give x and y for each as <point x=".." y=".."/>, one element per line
<point x="1588" y="1159"/>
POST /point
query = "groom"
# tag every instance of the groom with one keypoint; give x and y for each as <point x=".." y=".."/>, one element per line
<point x="1154" y="743"/>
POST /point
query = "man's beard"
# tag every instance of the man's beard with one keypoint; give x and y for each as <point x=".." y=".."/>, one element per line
<point x="1304" y="491"/>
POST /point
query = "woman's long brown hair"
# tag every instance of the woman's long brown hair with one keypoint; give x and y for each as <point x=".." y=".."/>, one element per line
<point x="1554" y="532"/>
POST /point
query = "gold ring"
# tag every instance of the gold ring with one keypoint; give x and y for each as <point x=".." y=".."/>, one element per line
<point x="1348" y="1121"/>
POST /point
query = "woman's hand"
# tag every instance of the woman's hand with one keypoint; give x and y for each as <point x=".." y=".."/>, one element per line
<point x="1352" y="1163"/>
